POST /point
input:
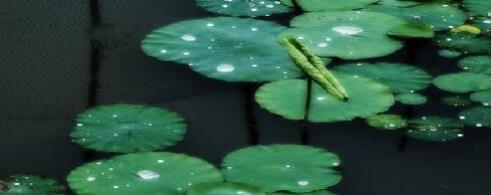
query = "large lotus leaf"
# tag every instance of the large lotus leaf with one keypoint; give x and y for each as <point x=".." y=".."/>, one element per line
<point x="484" y="24"/>
<point x="437" y="16"/>
<point x="387" y="121"/>
<point x="329" y="5"/>
<point x="287" y="98"/>
<point x="411" y="98"/>
<point x="128" y="128"/>
<point x="292" y="168"/>
<point x="479" y="64"/>
<point x="463" y="82"/>
<point x="346" y="34"/>
<point x="464" y="42"/>
<point x="244" y="7"/>
<point x="483" y="97"/>
<point x="477" y="116"/>
<point x="481" y="7"/>
<point x="219" y="188"/>
<point x="30" y="184"/>
<point x="142" y="173"/>
<point x="225" y="48"/>
<point x="435" y="128"/>
<point x="400" y="78"/>
<point x="321" y="192"/>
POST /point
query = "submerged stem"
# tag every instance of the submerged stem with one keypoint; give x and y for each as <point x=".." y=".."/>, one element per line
<point x="311" y="64"/>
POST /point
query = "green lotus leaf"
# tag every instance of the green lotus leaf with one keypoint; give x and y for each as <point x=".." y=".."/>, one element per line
<point x="463" y="82"/>
<point x="481" y="7"/>
<point x="457" y="101"/>
<point x="412" y="30"/>
<point x="128" y="128"/>
<point x="329" y="5"/>
<point x="398" y="3"/>
<point x="437" y="16"/>
<point x="477" y="116"/>
<point x="411" y="98"/>
<point x="321" y="192"/>
<point x="30" y="184"/>
<point x="464" y="42"/>
<point x="367" y="98"/>
<point x="346" y="34"/>
<point x="287" y="2"/>
<point x="293" y="168"/>
<point x="244" y="7"/>
<point x="435" y="129"/>
<point x="400" y="78"/>
<point x="142" y="173"/>
<point x="446" y="53"/>
<point x="484" y="24"/>
<point x="479" y="64"/>
<point x="225" y="48"/>
<point x="483" y="97"/>
<point x="386" y="121"/>
<point x="219" y="188"/>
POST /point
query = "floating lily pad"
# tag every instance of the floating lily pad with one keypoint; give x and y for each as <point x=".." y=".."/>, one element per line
<point x="411" y="98"/>
<point x="481" y="7"/>
<point x="244" y="7"/>
<point x="464" y="42"/>
<point x="292" y="168"/>
<point x="435" y="128"/>
<point x="30" y="184"/>
<point x="287" y="98"/>
<point x="463" y="82"/>
<point x="477" y="116"/>
<point x="128" y="128"/>
<point x="412" y="30"/>
<point x="219" y="188"/>
<point x="437" y="16"/>
<point x="484" y="23"/>
<point x="483" y="97"/>
<point x="142" y="173"/>
<point x="446" y="53"/>
<point x="323" y="5"/>
<point x="346" y="34"/>
<point x="387" y="121"/>
<point x="287" y="2"/>
<point x="322" y="192"/>
<point x="400" y="78"/>
<point x="479" y="64"/>
<point x="225" y="48"/>
<point x="457" y="101"/>
<point x="398" y="3"/>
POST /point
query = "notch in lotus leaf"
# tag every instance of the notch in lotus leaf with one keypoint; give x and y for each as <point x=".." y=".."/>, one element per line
<point x="128" y="128"/>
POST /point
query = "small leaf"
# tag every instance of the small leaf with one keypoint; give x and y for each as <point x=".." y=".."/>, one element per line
<point x="330" y="5"/>
<point x="463" y="82"/>
<point x="435" y="129"/>
<point x="478" y="64"/>
<point x="244" y="7"/>
<point x="477" y="116"/>
<point x="30" y="184"/>
<point x="412" y="30"/>
<point x="387" y="121"/>
<point x="483" y="97"/>
<point x="411" y="98"/>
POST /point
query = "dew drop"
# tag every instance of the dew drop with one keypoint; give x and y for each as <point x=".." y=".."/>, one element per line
<point x="225" y="68"/>
<point x="146" y="174"/>
<point x="90" y="178"/>
<point x="303" y="183"/>
<point x="347" y="30"/>
<point x="188" y="37"/>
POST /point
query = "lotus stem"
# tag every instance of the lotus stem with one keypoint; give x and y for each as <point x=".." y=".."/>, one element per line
<point x="314" y="67"/>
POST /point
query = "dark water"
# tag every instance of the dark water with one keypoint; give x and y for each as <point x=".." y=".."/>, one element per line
<point x="59" y="57"/>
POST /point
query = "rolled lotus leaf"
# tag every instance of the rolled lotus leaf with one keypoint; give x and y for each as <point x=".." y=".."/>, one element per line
<point x="142" y="173"/>
<point x="463" y="82"/>
<point x="220" y="188"/>
<point x="481" y="7"/>
<point x="401" y="78"/>
<point x="346" y="34"/>
<point x="411" y="98"/>
<point x="478" y="64"/>
<point x="366" y="98"/>
<point x="386" y="121"/>
<point x="225" y="48"/>
<point x="483" y="97"/>
<point x="244" y="7"/>
<point x="30" y="184"/>
<point x="128" y="128"/>
<point x="435" y="129"/>
<point x="476" y="116"/>
<point x="329" y="5"/>
<point x="292" y="168"/>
